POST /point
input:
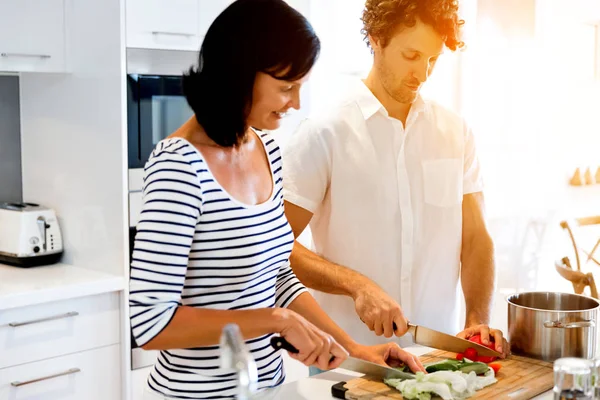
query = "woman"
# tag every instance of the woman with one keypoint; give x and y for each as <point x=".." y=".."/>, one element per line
<point x="213" y="243"/>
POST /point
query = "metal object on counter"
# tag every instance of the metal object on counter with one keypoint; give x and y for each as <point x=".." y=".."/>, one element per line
<point x="573" y="379"/>
<point x="549" y="326"/>
<point x="439" y="340"/>
<point x="235" y="355"/>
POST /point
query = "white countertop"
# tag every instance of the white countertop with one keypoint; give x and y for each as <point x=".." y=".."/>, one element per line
<point x="318" y="387"/>
<point x="21" y="287"/>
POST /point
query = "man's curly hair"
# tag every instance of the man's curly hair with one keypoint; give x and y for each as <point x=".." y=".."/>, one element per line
<point x="381" y="19"/>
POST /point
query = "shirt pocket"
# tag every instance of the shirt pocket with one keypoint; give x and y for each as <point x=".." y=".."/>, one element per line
<point x="442" y="181"/>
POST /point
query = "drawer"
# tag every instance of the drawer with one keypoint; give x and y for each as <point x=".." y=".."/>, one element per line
<point x="48" y="330"/>
<point x="89" y="375"/>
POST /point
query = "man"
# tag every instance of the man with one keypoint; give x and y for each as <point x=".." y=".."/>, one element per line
<point x="392" y="189"/>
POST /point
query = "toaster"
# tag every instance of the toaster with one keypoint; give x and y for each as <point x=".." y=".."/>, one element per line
<point x="29" y="235"/>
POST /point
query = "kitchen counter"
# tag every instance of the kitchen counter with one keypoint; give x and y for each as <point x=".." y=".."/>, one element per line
<point x="318" y="387"/>
<point x="21" y="287"/>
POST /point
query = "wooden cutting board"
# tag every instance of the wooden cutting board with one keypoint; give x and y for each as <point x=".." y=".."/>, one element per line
<point x="520" y="378"/>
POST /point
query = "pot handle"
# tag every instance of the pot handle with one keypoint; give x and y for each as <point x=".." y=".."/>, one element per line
<point x="569" y="325"/>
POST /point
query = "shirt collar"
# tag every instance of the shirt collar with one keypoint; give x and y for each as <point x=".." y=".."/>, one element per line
<point x="369" y="104"/>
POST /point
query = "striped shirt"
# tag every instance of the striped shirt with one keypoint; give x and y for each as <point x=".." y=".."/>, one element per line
<point x="197" y="246"/>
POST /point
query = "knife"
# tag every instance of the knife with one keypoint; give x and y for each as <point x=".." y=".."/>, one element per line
<point x="351" y="363"/>
<point x="442" y="341"/>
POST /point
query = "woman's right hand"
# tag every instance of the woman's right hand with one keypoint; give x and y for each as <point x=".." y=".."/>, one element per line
<point x="315" y="347"/>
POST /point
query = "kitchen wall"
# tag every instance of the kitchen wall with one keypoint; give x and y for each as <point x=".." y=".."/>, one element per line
<point x="74" y="139"/>
<point x="10" y="140"/>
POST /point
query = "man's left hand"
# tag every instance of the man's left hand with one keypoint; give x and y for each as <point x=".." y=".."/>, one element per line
<point x="488" y="335"/>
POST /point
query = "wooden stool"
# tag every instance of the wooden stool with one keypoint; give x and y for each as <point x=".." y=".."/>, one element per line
<point x="579" y="279"/>
<point x="570" y="227"/>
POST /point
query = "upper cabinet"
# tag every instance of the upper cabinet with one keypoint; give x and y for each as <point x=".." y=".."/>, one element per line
<point x="209" y="10"/>
<point x="163" y="24"/>
<point x="33" y="36"/>
<point x="170" y="24"/>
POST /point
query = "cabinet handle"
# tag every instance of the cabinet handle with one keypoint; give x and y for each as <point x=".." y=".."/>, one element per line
<point x="37" y="321"/>
<point x="173" y="33"/>
<point x="69" y="372"/>
<point x="24" y="55"/>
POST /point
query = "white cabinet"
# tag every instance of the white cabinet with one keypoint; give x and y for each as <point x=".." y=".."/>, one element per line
<point x="67" y="349"/>
<point x="163" y="24"/>
<point x="89" y="375"/>
<point x="48" y="330"/>
<point x="33" y="36"/>
<point x="209" y="10"/>
<point x="170" y="24"/>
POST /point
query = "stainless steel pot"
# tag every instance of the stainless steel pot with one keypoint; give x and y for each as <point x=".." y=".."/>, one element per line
<point x="548" y="326"/>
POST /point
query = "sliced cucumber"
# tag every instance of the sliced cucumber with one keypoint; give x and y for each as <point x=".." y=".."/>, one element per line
<point x="446" y="365"/>
<point x="478" y="367"/>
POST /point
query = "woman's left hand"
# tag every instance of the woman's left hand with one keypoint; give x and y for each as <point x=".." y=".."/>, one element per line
<point x="389" y="355"/>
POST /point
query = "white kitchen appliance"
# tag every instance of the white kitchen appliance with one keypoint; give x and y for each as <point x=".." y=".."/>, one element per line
<point x="29" y="235"/>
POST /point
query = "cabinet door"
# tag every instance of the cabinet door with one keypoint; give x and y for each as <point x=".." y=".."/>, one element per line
<point x="32" y="36"/>
<point x="89" y="375"/>
<point x="162" y="24"/>
<point x="209" y="10"/>
<point x="48" y="330"/>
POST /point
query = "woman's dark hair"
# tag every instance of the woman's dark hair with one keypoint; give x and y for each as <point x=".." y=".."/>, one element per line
<point x="248" y="37"/>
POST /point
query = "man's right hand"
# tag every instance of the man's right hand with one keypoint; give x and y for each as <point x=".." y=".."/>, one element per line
<point x="379" y="311"/>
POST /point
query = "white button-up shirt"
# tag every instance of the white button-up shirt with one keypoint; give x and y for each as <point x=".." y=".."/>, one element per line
<point x="387" y="202"/>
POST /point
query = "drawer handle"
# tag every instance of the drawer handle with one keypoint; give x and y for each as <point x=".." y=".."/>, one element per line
<point x="25" y="55"/>
<point x="37" y="321"/>
<point x="69" y="372"/>
<point x="173" y="33"/>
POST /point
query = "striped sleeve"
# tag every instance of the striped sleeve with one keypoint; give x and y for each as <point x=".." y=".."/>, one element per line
<point x="288" y="287"/>
<point x="171" y="208"/>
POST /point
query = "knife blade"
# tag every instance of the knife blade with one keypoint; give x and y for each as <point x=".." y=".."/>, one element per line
<point x="442" y="341"/>
<point x="372" y="369"/>
<point x="351" y="363"/>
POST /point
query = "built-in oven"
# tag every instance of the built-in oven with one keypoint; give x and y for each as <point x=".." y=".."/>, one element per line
<point x="156" y="107"/>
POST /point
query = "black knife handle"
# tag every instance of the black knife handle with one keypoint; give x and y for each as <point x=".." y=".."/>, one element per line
<point x="338" y="390"/>
<point x="278" y="343"/>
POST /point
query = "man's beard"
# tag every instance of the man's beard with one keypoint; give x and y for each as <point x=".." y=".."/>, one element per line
<point x="404" y="95"/>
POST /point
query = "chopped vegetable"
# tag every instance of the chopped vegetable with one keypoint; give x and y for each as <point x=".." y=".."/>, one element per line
<point x="471" y="354"/>
<point x="449" y="385"/>
<point x="446" y="365"/>
<point x="476" y="339"/>
<point x="465" y="366"/>
<point x="477" y="367"/>
<point x="495" y="366"/>
<point x="460" y="356"/>
<point x="486" y="359"/>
